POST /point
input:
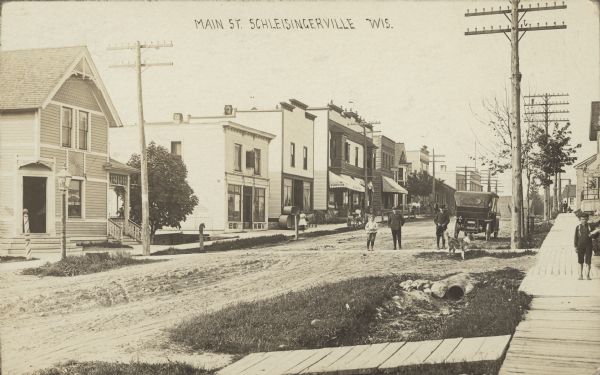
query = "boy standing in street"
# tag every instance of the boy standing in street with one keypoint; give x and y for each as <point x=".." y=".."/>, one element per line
<point x="583" y="245"/>
<point x="396" y="221"/>
<point x="371" y="229"/>
<point x="441" y="220"/>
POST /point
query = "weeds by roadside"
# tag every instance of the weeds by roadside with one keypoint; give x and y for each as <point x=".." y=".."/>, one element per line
<point x="357" y="311"/>
<point x="85" y="264"/>
<point x="10" y="258"/>
<point x="133" y="368"/>
<point x="473" y="254"/>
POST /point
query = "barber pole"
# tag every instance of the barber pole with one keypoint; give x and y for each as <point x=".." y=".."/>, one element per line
<point x="27" y="234"/>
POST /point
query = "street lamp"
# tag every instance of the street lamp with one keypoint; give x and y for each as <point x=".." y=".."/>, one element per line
<point x="64" y="180"/>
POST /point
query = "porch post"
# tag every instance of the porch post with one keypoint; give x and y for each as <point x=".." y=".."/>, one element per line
<point x="126" y="201"/>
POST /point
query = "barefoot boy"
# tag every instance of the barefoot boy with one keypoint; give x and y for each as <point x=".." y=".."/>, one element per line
<point x="583" y="245"/>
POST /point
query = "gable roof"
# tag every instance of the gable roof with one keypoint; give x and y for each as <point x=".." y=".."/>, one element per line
<point x="29" y="78"/>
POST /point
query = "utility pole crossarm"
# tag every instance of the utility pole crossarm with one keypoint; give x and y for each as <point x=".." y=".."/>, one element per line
<point x="508" y="10"/>
<point x="143" y="65"/>
<point x="142" y="45"/>
<point x="507" y="30"/>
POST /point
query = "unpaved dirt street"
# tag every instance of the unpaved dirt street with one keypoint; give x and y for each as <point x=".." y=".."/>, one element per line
<point x="121" y="315"/>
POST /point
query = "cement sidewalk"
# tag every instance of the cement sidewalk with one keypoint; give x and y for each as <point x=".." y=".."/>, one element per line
<point x="561" y="332"/>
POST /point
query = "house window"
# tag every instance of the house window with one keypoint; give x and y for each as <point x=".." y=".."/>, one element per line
<point x="83" y="126"/>
<point x="347" y="152"/>
<point x="74" y="200"/>
<point x="306" y="200"/>
<point x="259" y="205"/>
<point x="176" y="148"/>
<point x="67" y="126"/>
<point x="287" y="192"/>
<point x="237" y="158"/>
<point x="257" y="161"/>
<point x="356" y="156"/>
<point x="292" y="154"/>
<point x="234" y="202"/>
<point x="400" y="174"/>
<point x="305" y="158"/>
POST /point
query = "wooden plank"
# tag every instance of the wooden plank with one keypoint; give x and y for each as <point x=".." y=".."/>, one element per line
<point x="316" y="356"/>
<point x="492" y="348"/>
<point x="424" y="351"/>
<point x="271" y="360"/>
<point x="397" y="360"/>
<point x="443" y="351"/>
<point x="320" y="366"/>
<point x="381" y="357"/>
<point x="242" y="364"/>
<point x="354" y="352"/>
<point x="360" y="362"/>
<point x="465" y="350"/>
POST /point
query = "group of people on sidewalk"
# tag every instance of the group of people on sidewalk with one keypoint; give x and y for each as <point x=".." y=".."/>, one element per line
<point x="396" y="221"/>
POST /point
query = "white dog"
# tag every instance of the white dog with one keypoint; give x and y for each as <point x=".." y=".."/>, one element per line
<point x="462" y="244"/>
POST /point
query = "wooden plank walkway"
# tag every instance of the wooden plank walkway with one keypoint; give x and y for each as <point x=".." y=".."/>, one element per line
<point x="561" y="332"/>
<point x="370" y="359"/>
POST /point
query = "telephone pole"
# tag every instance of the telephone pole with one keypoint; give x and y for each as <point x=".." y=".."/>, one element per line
<point x="434" y="159"/>
<point x="137" y="47"/>
<point x="465" y="169"/>
<point x="547" y="102"/>
<point x="516" y="30"/>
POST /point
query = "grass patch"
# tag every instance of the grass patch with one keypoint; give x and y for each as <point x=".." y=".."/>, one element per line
<point x="539" y="234"/>
<point x="358" y="311"/>
<point x="473" y="254"/>
<point x="463" y="368"/>
<point x="494" y="308"/>
<point x="85" y="264"/>
<point x="247" y="243"/>
<point x="117" y="368"/>
<point x="10" y="258"/>
<point x="104" y="244"/>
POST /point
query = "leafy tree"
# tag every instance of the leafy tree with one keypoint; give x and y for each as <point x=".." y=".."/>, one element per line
<point x="170" y="197"/>
<point x="420" y="184"/>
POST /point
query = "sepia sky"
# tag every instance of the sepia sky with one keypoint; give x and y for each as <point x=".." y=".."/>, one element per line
<point x="423" y="79"/>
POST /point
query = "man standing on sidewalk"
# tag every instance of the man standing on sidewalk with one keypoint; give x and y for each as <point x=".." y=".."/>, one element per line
<point x="441" y="220"/>
<point x="583" y="245"/>
<point x="396" y="221"/>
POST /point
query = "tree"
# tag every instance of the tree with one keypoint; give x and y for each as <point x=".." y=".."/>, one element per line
<point x="498" y="121"/>
<point x="555" y="152"/>
<point x="171" y="198"/>
<point x="420" y="184"/>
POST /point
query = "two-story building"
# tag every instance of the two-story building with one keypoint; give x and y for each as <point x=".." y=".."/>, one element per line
<point x="227" y="164"/>
<point x="387" y="193"/>
<point x="401" y="171"/>
<point x="340" y="162"/>
<point x="291" y="152"/>
<point x="54" y="112"/>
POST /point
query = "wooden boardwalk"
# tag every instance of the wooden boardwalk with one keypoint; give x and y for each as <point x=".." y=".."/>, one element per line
<point x="561" y="332"/>
<point x="370" y="359"/>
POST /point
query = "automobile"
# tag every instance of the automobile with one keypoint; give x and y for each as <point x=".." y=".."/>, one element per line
<point x="477" y="212"/>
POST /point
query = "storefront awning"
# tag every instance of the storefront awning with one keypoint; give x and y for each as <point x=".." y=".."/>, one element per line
<point x="344" y="182"/>
<point x="391" y="186"/>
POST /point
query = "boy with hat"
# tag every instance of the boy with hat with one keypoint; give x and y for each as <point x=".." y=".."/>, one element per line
<point x="396" y="221"/>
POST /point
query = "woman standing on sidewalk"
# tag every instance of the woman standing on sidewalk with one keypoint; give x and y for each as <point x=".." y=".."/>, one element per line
<point x="371" y="229"/>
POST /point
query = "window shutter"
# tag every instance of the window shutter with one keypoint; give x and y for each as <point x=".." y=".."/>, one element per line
<point x="249" y="159"/>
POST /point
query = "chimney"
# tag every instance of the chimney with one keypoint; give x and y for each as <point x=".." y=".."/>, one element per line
<point x="177" y="118"/>
<point x="228" y="110"/>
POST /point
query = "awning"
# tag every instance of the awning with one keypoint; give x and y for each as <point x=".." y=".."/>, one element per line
<point x="344" y="182"/>
<point x="391" y="186"/>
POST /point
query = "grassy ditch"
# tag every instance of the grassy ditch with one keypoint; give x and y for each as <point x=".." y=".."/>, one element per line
<point x="473" y="254"/>
<point x="357" y="311"/>
<point x="474" y="368"/>
<point x="133" y="368"/>
<point x="10" y="258"/>
<point x="85" y="264"/>
<point x="247" y="243"/>
<point x="104" y="245"/>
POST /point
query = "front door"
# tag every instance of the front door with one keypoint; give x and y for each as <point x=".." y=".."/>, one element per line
<point x="34" y="200"/>
<point x="298" y="194"/>
<point x="247" y="207"/>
